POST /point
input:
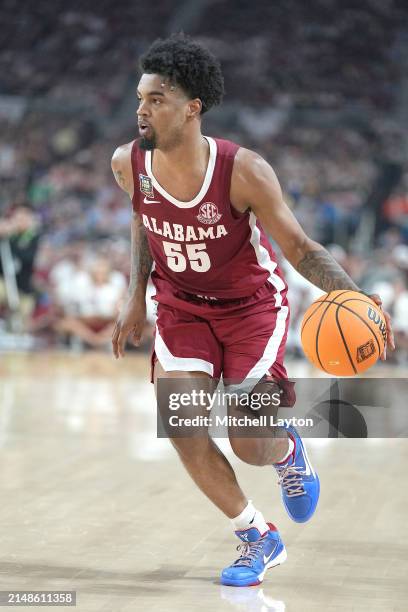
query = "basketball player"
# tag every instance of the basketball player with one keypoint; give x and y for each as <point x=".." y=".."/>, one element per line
<point x="201" y="210"/>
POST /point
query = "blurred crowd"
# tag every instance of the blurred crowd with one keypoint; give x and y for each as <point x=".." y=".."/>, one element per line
<point x="64" y="82"/>
<point x="321" y="54"/>
<point x="79" y="54"/>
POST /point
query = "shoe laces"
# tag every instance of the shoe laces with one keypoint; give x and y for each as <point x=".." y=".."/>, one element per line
<point x="249" y="552"/>
<point x="290" y="478"/>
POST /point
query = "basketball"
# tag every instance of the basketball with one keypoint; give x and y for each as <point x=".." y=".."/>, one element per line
<point x="343" y="333"/>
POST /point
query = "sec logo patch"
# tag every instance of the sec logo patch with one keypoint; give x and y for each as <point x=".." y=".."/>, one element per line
<point x="208" y="213"/>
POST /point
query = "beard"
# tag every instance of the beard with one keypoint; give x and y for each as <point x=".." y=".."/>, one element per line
<point x="165" y="143"/>
<point x="148" y="144"/>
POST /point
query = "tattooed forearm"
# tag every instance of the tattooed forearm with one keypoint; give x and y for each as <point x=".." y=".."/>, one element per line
<point x="141" y="259"/>
<point x="319" y="267"/>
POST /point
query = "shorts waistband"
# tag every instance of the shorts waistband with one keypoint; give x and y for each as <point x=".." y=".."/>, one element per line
<point x="207" y="299"/>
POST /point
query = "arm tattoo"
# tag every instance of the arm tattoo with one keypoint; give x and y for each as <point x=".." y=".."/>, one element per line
<point x="322" y="270"/>
<point x="120" y="179"/>
<point x="141" y="259"/>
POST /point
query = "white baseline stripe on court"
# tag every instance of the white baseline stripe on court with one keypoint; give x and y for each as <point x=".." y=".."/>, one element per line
<point x="171" y="363"/>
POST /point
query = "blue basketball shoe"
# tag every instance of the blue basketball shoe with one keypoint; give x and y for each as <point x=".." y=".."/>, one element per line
<point x="299" y="482"/>
<point x="257" y="555"/>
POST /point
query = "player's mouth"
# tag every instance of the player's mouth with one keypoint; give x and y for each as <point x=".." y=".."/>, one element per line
<point x="144" y="129"/>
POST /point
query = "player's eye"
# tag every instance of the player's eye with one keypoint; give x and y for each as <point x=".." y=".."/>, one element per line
<point x="156" y="101"/>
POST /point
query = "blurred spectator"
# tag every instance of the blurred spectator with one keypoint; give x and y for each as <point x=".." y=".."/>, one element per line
<point x="89" y="298"/>
<point x="399" y="310"/>
<point x="21" y="230"/>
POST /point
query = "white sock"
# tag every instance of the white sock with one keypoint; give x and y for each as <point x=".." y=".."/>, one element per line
<point x="250" y="517"/>
<point x="291" y="446"/>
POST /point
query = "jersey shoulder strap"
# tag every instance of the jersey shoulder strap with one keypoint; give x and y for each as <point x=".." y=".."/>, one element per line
<point x="226" y="152"/>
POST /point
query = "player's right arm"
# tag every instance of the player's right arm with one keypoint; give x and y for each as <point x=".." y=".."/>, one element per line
<point x="132" y="317"/>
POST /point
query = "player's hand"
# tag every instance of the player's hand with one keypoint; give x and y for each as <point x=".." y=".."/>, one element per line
<point x="390" y="334"/>
<point x="131" y="321"/>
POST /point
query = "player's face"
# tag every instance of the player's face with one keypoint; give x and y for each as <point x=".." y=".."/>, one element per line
<point x="162" y="113"/>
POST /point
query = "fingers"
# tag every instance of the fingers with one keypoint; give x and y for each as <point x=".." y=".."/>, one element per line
<point x="376" y="298"/>
<point x="136" y="337"/>
<point x="121" y="341"/>
<point x="390" y="333"/>
<point x="120" y="335"/>
<point x="115" y="335"/>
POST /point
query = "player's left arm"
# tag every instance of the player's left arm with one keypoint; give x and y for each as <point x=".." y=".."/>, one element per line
<point x="255" y="185"/>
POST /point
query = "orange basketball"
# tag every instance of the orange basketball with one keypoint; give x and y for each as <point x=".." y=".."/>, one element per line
<point x="343" y="333"/>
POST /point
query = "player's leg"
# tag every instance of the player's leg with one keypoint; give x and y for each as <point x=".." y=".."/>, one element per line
<point x="259" y="444"/>
<point x="206" y="464"/>
<point x="262" y="546"/>
<point x="260" y="552"/>
<point x="285" y="450"/>
<point x="187" y="358"/>
<point x="183" y="341"/>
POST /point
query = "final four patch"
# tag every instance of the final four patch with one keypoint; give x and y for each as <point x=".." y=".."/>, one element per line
<point x="146" y="186"/>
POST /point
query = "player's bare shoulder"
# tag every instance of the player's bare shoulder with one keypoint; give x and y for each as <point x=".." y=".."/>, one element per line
<point x="251" y="176"/>
<point x="122" y="167"/>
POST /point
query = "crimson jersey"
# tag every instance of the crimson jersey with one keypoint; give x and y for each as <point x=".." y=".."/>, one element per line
<point x="204" y="247"/>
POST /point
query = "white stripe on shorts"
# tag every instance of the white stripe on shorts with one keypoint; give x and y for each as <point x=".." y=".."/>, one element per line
<point x="271" y="350"/>
<point x="171" y="363"/>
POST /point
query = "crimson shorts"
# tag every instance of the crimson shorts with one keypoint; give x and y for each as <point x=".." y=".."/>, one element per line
<point x="238" y="339"/>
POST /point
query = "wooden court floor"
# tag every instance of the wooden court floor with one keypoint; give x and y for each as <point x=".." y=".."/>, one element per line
<point x="92" y="501"/>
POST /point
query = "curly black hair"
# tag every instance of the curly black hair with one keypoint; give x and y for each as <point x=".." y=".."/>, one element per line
<point x="187" y="64"/>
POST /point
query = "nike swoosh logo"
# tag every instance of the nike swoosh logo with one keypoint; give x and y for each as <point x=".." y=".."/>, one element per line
<point x="266" y="559"/>
<point x="308" y="471"/>
<point x="146" y="201"/>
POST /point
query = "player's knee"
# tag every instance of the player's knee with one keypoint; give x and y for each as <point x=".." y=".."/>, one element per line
<point x="251" y="450"/>
<point x="272" y="395"/>
<point x="259" y="451"/>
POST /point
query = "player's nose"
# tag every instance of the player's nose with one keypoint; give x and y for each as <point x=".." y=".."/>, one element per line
<point x="142" y="110"/>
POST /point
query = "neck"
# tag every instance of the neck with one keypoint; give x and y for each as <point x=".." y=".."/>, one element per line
<point x="192" y="153"/>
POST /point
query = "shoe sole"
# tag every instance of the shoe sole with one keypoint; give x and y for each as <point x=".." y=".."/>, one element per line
<point x="281" y="558"/>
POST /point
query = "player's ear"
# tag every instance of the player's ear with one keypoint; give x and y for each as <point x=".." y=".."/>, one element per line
<point x="194" y="108"/>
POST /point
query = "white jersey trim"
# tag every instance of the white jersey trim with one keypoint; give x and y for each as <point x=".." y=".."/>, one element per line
<point x="171" y="363"/>
<point x="204" y="187"/>
<point x="271" y="350"/>
<point x="264" y="260"/>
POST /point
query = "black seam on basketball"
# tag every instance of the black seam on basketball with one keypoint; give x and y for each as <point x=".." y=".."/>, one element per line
<point x="366" y="324"/>
<point x="320" y="303"/>
<point x="317" y="338"/>
<point x="340" y="294"/>
<point x="349" y="300"/>
<point x="361" y="319"/>
<point x="370" y="304"/>
<point x="343" y="338"/>
<point x="309" y="317"/>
